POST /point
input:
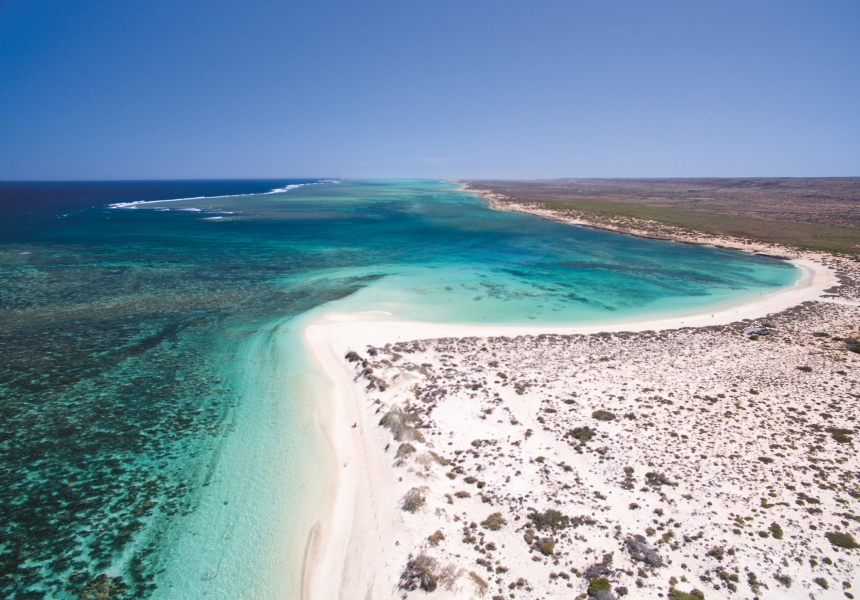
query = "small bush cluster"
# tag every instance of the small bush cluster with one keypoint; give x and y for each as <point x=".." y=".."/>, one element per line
<point x="598" y="584"/>
<point x="582" y="434"/>
<point x="842" y="436"/>
<point x="403" y="425"/>
<point x="494" y="522"/>
<point x="550" y="519"/>
<point x="436" y="537"/>
<point x="776" y="531"/>
<point x="628" y="482"/>
<point x="641" y="552"/>
<point x="753" y="582"/>
<point x="419" y="573"/>
<point x="842" y="540"/>
<point x="730" y="580"/>
<point x="603" y="415"/>
<point x="691" y="595"/>
<point x="529" y="536"/>
<point x="413" y="500"/>
<point x="658" y="479"/>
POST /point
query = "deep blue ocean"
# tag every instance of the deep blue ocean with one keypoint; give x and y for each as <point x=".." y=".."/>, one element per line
<point x="155" y="398"/>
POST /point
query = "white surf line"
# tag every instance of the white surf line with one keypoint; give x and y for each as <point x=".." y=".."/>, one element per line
<point x="287" y="188"/>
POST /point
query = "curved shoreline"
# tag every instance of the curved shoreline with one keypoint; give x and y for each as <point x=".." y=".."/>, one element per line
<point x="641" y="227"/>
<point x="356" y="538"/>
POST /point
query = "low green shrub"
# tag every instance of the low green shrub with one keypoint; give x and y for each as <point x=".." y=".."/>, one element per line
<point x="843" y="436"/>
<point x="842" y="540"/>
<point x="583" y="434"/>
<point x="529" y="536"/>
<point x="603" y="415"/>
<point x="494" y="522"/>
<point x="550" y="519"/>
<point x="598" y="584"/>
<point x="776" y="531"/>
<point x="691" y="595"/>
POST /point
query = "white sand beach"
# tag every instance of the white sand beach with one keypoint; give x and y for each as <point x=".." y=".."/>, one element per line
<point x="498" y="420"/>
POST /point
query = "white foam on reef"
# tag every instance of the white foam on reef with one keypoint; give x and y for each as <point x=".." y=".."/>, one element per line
<point x="287" y="188"/>
<point x="298" y="185"/>
<point x="137" y="203"/>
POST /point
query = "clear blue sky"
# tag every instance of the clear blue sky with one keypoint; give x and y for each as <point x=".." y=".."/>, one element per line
<point x="428" y="88"/>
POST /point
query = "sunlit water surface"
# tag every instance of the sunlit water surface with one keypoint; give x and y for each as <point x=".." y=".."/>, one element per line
<point x="157" y="408"/>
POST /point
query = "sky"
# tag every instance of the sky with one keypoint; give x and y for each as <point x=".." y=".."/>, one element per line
<point x="428" y="88"/>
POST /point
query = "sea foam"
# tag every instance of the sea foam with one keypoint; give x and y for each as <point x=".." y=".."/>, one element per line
<point x="287" y="188"/>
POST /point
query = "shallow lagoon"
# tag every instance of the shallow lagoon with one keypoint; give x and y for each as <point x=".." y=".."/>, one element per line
<point x="158" y="412"/>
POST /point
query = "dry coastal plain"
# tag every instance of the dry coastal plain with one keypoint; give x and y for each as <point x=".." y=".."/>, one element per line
<point x="675" y="459"/>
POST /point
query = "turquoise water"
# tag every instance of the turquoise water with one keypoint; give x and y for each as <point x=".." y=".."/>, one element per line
<point x="159" y="415"/>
